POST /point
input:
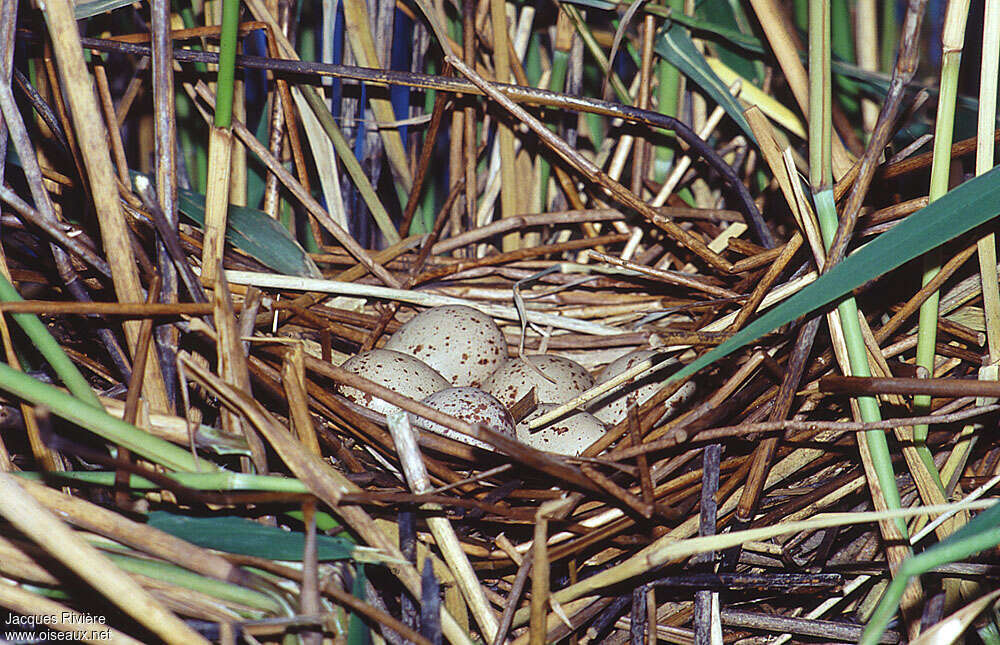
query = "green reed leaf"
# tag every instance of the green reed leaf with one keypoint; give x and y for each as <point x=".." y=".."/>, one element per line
<point x="973" y="203"/>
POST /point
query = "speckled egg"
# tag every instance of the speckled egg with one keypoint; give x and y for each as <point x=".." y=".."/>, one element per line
<point x="555" y="379"/>
<point x="612" y="408"/>
<point x="469" y="404"/>
<point x="464" y="345"/>
<point x="568" y="435"/>
<point x="399" y="372"/>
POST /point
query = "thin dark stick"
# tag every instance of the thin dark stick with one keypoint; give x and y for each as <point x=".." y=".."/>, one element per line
<point x="513" y="598"/>
<point x="765" y="451"/>
<point x="520" y="254"/>
<point x="43" y="109"/>
<point x="669" y="277"/>
<point x="764" y="284"/>
<point x="777" y="624"/>
<point x="167" y="231"/>
<point x="917" y="162"/>
<point x="430" y="605"/>
<point x="165" y="150"/>
<point x="56" y="230"/>
<point x="437" y="116"/>
<point x="309" y="592"/>
<point x="609" y="616"/>
<point x="637" y="619"/>
<point x="131" y="411"/>
<point x="777" y="582"/>
<point x="408" y="547"/>
<point x="706" y="526"/>
<point x="75" y="287"/>
<point x="139" y="362"/>
<point x="469" y="147"/>
<point x="519" y="222"/>
<point x="635" y="434"/>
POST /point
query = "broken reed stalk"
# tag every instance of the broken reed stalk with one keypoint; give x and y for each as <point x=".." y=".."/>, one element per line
<point x="910" y="386"/>
<point x="220" y="145"/>
<point x="444" y="535"/>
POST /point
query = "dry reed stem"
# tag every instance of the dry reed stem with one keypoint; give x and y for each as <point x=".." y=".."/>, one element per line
<point x="93" y="135"/>
<point x="35" y="521"/>
<point x="444" y="535"/>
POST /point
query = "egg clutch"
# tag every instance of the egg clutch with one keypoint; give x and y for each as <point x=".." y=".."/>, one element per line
<point x="454" y="359"/>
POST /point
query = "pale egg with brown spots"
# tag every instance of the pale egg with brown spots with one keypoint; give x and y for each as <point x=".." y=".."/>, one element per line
<point x="612" y="408"/>
<point x="555" y="379"/>
<point x="399" y="372"/>
<point x="568" y="435"/>
<point x="463" y="344"/>
<point x="469" y="404"/>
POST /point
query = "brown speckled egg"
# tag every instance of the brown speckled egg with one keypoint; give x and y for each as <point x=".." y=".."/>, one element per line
<point x="469" y="404"/>
<point x="515" y="378"/>
<point x="613" y="406"/>
<point x="568" y="435"/>
<point x="399" y="372"/>
<point x="464" y="345"/>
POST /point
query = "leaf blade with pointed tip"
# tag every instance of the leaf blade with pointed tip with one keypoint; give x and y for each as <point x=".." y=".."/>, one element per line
<point x="88" y="9"/>
<point x="675" y="45"/>
<point x="973" y="203"/>
<point x="256" y="234"/>
<point x="245" y="537"/>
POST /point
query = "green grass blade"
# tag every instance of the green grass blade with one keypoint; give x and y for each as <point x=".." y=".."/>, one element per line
<point x="175" y="575"/>
<point x="676" y="46"/>
<point x="729" y="15"/>
<point x="980" y="534"/>
<point x="100" y="422"/>
<point x="214" y="481"/>
<point x="245" y="537"/>
<point x="50" y="349"/>
<point x="707" y="26"/>
<point x="842" y="47"/>
<point x="256" y="234"/>
<point x="88" y="9"/>
<point x="973" y="203"/>
<point x="357" y="631"/>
